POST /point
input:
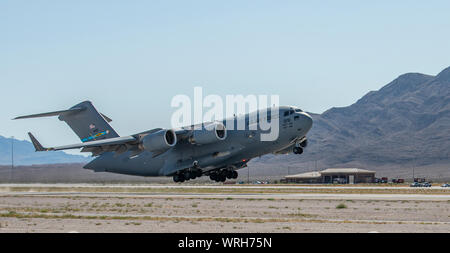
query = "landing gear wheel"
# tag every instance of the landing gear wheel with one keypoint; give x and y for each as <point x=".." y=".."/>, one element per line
<point x="304" y="143"/>
<point x="222" y="175"/>
<point x="187" y="175"/>
<point x="235" y="175"/>
<point x="198" y="173"/>
<point x="178" y="178"/>
<point x="298" y="150"/>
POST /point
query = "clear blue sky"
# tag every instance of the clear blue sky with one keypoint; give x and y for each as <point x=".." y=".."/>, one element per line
<point x="131" y="57"/>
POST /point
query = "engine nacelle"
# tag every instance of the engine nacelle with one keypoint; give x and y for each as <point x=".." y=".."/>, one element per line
<point x="209" y="134"/>
<point x="158" y="141"/>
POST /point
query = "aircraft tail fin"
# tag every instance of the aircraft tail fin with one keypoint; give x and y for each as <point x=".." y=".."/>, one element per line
<point x="36" y="143"/>
<point x="84" y="120"/>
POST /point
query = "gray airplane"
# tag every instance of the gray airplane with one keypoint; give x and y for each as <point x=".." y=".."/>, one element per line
<point x="185" y="153"/>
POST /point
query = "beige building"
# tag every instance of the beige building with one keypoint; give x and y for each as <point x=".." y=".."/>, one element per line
<point x="308" y="178"/>
<point x="334" y="175"/>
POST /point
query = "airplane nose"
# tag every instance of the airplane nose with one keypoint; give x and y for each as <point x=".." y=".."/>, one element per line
<point x="306" y="120"/>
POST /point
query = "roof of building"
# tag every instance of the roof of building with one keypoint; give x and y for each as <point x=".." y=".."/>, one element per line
<point x="345" y="170"/>
<point x="313" y="174"/>
<point x="317" y="174"/>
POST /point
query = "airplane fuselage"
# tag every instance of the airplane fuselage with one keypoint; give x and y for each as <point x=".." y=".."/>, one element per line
<point x="236" y="150"/>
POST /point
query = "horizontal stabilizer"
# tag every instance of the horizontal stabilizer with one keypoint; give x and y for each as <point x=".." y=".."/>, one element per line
<point x="55" y="113"/>
<point x="36" y="143"/>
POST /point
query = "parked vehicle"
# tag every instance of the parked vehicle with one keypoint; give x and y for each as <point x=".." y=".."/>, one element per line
<point x="339" y="181"/>
<point x="382" y="180"/>
<point x="425" y="184"/>
<point x="398" y="181"/>
<point x="445" y="185"/>
<point x="415" y="184"/>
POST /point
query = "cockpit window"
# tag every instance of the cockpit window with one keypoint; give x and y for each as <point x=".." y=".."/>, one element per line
<point x="298" y="110"/>
<point x="287" y="113"/>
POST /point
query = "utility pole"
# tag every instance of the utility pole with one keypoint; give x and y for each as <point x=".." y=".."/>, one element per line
<point x="248" y="175"/>
<point x="12" y="157"/>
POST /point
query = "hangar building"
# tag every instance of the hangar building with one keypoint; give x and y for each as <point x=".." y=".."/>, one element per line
<point x="334" y="175"/>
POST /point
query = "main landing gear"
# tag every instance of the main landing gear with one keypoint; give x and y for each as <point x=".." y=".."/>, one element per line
<point x="222" y="175"/>
<point x="186" y="175"/>
<point x="219" y="175"/>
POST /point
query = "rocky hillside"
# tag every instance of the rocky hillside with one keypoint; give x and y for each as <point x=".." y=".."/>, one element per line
<point x="404" y="124"/>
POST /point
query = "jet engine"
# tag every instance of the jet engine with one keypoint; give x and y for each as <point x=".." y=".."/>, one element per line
<point x="159" y="141"/>
<point x="208" y="134"/>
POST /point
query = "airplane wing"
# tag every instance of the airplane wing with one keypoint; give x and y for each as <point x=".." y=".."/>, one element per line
<point x="117" y="141"/>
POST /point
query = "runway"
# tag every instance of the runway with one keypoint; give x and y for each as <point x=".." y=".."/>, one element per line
<point x="212" y="186"/>
<point x="421" y="197"/>
<point x="222" y="208"/>
<point x="435" y="193"/>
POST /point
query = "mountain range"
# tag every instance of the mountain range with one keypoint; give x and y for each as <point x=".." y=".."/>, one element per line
<point x="24" y="154"/>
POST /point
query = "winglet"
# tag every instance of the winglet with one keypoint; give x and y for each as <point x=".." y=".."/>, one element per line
<point x="36" y="143"/>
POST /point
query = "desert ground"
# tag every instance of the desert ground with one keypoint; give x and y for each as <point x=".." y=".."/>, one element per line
<point x="222" y="208"/>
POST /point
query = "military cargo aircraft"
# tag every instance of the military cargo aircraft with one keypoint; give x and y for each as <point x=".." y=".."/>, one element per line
<point x="184" y="153"/>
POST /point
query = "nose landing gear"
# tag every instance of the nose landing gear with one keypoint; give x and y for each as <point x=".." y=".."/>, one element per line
<point x="299" y="146"/>
<point x="304" y="143"/>
<point x="298" y="150"/>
